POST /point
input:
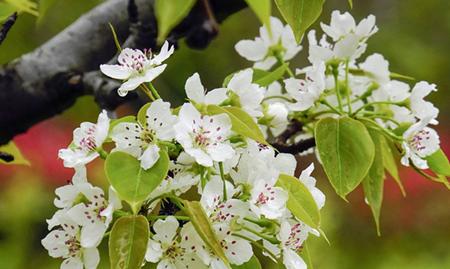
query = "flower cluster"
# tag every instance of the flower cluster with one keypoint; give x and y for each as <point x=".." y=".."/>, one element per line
<point x="213" y="150"/>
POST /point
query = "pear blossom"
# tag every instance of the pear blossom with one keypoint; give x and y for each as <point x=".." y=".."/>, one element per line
<point x="136" y="67"/>
<point x="342" y="25"/>
<point x="168" y="250"/>
<point x="420" y="141"/>
<point x="307" y="91"/>
<point x="423" y="109"/>
<point x="64" y="243"/>
<point x="280" y="40"/>
<point x="277" y="114"/>
<point x="87" y="141"/>
<point x="204" y="137"/>
<point x="196" y="92"/>
<point x="249" y="95"/>
<point x="310" y="183"/>
<point x="141" y="139"/>
<point x="95" y="215"/>
<point x="377" y="67"/>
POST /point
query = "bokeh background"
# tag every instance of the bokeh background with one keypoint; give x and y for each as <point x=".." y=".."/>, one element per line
<point x="414" y="35"/>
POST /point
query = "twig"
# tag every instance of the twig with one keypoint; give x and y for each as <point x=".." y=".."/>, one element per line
<point x="7" y="25"/>
<point x="296" y="148"/>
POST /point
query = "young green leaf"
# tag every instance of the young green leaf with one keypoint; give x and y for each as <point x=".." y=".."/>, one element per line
<point x="203" y="227"/>
<point x="142" y="113"/>
<point x="10" y="154"/>
<point x="262" y="9"/>
<point x="241" y="122"/>
<point x="130" y="180"/>
<point x="6" y="10"/>
<point x="346" y="150"/>
<point x="253" y="263"/>
<point x="374" y="181"/>
<point x="264" y="78"/>
<point x="390" y="162"/>
<point x="439" y="163"/>
<point x="128" y="242"/>
<point x="300" y="14"/>
<point x="301" y="202"/>
<point x="169" y="13"/>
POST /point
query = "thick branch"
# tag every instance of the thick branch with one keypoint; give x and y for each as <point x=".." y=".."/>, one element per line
<point x="48" y="80"/>
<point x="7" y="26"/>
<point x="281" y="142"/>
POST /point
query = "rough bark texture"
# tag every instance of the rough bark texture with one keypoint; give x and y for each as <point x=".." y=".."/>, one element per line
<point x="48" y="80"/>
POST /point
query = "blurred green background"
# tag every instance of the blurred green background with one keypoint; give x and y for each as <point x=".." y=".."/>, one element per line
<point x="414" y="36"/>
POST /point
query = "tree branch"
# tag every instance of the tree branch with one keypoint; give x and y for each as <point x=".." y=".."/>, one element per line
<point x="7" y="25"/>
<point x="48" y="80"/>
<point x="281" y="142"/>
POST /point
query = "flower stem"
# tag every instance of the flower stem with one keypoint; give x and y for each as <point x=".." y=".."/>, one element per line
<point x="325" y="102"/>
<point x="282" y="62"/>
<point x="154" y="91"/>
<point x="257" y="244"/>
<point x="375" y="103"/>
<point x="147" y="92"/>
<point x="184" y="218"/>
<point x="224" y="181"/>
<point x="336" y="87"/>
<point x="347" y="89"/>
<point x="272" y="240"/>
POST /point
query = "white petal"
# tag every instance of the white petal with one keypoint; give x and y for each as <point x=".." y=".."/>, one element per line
<point x="91" y="235"/>
<point x="216" y="96"/>
<point x="292" y="260"/>
<point x="239" y="251"/>
<point x="102" y="128"/>
<point x="91" y="258"/>
<point x="252" y="50"/>
<point x="164" y="53"/>
<point x="154" y="251"/>
<point x="165" y="229"/>
<point x="149" y="157"/>
<point x="200" y="157"/>
<point x="194" y="89"/>
<point x="220" y="152"/>
<point x="72" y="263"/>
<point x="116" y="71"/>
<point x="130" y="85"/>
<point x="152" y="73"/>
<point x="241" y="80"/>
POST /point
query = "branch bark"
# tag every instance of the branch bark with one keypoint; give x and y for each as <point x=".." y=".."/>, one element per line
<point x="48" y="80"/>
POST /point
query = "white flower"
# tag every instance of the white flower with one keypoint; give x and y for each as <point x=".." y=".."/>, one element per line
<point x="136" y="67"/>
<point x="421" y="108"/>
<point x="278" y="116"/>
<point x="394" y="91"/>
<point x="419" y="142"/>
<point x="204" y="137"/>
<point x="268" y="200"/>
<point x="141" y="139"/>
<point x="216" y="207"/>
<point x="344" y="24"/>
<point x="306" y="92"/>
<point x="87" y="139"/>
<point x="94" y="215"/>
<point x="166" y="249"/>
<point x="197" y="93"/>
<point x="260" y="50"/>
<point x="249" y="94"/>
<point x="377" y="67"/>
<point x="348" y="48"/>
<point x="65" y="243"/>
<point x="310" y="183"/>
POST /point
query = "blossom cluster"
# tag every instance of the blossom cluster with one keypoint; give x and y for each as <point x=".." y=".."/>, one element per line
<point x="220" y="160"/>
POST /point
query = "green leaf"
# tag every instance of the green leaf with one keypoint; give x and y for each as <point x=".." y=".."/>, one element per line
<point x="301" y="202"/>
<point x="130" y="180"/>
<point x="390" y="162"/>
<point x="253" y="263"/>
<point x="10" y="154"/>
<point x="169" y="13"/>
<point x="350" y="3"/>
<point x="128" y="242"/>
<point x="299" y="14"/>
<point x="242" y="123"/>
<point x="44" y="6"/>
<point x="346" y="151"/>
<point x="264" y="78"/>
<point x="262" y="9"/>
<point x="204" y="229"/>
<point x="142" y="114"/>
<point x="374" y="181"/>
<point x="27" y="6"/>
<point x="6" y="10"/>
<point x="439" y="163"/>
